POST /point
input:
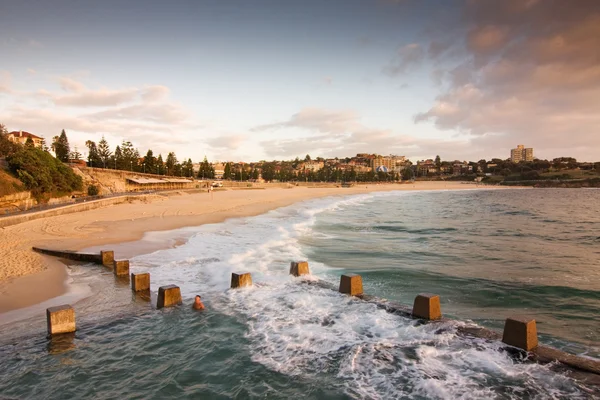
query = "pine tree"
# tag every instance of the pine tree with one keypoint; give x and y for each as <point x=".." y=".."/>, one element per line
<point x="171" y="164"/>
<point x="118" y="158"/>
<point x="43" y="145"/>
<point x="104" y="151"/>
<point x="94" y="159"/>
<point x="149" y="163"/>
<point x="227" y="171"/>
<point x="60" y="146"/>
<point x="75" y="155"/>
<point x="206" y="170"/>
<point x="160" y="165"/>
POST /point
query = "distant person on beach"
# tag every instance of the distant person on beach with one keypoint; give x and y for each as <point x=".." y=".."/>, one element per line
<point x="198" y="303"/>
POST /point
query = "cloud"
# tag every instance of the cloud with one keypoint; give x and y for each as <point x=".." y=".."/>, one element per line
<point x="406" y="57"/>
<point x="34" y="43"/>
<point x="5" y="82"/>
<point x="332" y="133"/>
<point x="143" y="113"/>
<point x="529" y="73"/>
<point x="232" y="142"/>
<point x="336" y="122"/>
<point x="155" y="93"/>
<point x="78" y="95"/>
<point x="31" y="71"/>
<point x="71" y="85"/>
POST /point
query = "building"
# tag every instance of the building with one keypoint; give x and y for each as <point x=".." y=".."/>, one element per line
<point x="313" y="166"/>
<point x="426" y="167"/>
<point x="219" y="170"/>
<point x="21" y="138"/>
<point x="388" y="162"/>
<point x="521" y="154"/>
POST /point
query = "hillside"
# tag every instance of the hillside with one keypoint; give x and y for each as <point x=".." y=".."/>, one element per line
<point x="9" y="184"/>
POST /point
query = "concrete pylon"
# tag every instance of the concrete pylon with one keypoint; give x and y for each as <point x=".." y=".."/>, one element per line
<point x="168" y="296"/>
<point x="140" y="282"/>
<point x="108" y="257"/>
<point x="299" y="268"/>
<point x="351" y="284"/>
<point x="60" y="319"/>
<point x="520" y="332"/>
<point x="427" y="306"/>
<point x="241" y="280"/>
<point x="121" y="267"/>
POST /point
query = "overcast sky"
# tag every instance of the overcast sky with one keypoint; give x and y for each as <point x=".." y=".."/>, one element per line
<point x="272" y="79"/>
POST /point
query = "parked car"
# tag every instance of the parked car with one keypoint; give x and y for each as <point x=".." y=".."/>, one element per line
<point x="217" y="184"/>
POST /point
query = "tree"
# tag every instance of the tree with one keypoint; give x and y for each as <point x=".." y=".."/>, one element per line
<point x="268" y="171"/>
<point x="94" y="159"/>
<point x="438" y="162"/>
<point x="75" y="155"/>
<point x="129" y="156"/>
<point x="6" y="146"/>
<point x="149" y="163"/>
<point x="43" y="174"/>
<point x="227" y="171"/>
<point x="104" y="151"/>
<point x="188" y="168"/>
<point x="206" y="170"/>
<point x="171" y="163"/>
<point x="408" y="174"/>
<point x="160" y="165"/>
<point x="60" y="146"/>
<point x="29" y="142"/>
<point x="118" y="158"/>
<point x="43" y="145"/>
<point x="307" y="158"/>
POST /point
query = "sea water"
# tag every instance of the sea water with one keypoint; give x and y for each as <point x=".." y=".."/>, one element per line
<point x="488" y="254"/>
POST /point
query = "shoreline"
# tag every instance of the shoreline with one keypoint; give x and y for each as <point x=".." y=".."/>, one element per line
<point x="28" y="279"/>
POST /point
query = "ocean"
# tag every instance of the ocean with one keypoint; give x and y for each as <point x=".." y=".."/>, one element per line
<point x="489" y="254"/>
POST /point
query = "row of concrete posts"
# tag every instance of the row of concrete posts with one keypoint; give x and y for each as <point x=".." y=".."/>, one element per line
<point x="521" y="333"/>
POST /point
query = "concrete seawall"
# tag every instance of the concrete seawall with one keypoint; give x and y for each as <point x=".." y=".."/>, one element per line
<point x="89" y="205"/>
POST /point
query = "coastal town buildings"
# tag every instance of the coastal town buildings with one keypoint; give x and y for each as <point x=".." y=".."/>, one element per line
<point x="425" y="167"/>
<point x="312" y="166"/>
<point x="521" y="153"/>
<point x="22" y="136"/>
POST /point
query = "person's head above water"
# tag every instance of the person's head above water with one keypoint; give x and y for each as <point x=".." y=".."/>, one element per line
<point x="198" y="303"/>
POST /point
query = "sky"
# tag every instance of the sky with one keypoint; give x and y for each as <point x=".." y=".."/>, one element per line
<point x="241" y="80"/>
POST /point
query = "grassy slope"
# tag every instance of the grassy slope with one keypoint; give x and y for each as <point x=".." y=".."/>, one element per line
<point x="9" y="184"/>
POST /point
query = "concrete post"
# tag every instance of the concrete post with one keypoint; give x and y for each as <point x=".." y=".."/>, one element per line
<point x="351" y="284"/>
<point x="521" y="333"/>
<point x="427" y="306"/>
<point x="108" y="257"/>
<point x="168" y="296"/>
<point x="241" y="280"/>
<point x="299" y="268"/>
<point x="60" y="319"/>
<point x="121" y="267"/>
<point x="140" y="282"/>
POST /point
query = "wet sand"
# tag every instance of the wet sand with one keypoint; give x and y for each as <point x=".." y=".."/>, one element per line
<point x="28" y="278"/>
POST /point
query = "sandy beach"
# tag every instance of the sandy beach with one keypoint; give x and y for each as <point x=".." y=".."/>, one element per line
<point x="28" y="278"/>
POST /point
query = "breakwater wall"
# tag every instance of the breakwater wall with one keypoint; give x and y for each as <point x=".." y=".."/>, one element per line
<point x="519" y="335"/>
<point x="105" y="257"/>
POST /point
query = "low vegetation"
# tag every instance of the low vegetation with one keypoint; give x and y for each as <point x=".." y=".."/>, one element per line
<point x="42" y="174"/>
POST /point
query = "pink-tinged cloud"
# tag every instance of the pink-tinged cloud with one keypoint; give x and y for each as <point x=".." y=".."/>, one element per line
<point x="5" y="82"/>
<point x="530" y="73"/>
